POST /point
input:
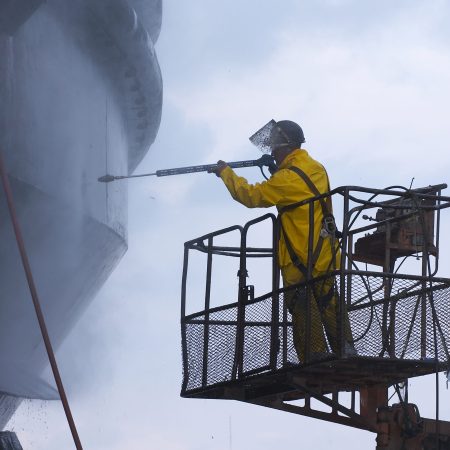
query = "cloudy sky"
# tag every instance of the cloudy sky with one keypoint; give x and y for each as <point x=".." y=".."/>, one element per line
<point x="369" y="83"/>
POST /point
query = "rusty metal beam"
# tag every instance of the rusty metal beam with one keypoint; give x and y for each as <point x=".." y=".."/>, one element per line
<point x="354" y="422"/>
<point x="371" y="398"/>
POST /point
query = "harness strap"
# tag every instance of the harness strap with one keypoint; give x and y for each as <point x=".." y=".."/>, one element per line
<point x="294" y="258"/>
<point x="326" y="212"/>
<point x="325" y="204"/>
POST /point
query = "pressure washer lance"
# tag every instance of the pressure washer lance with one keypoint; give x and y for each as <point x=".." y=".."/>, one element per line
<point x="265" y="160"/>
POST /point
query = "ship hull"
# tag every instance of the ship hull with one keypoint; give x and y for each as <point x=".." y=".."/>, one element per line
<point x="80" y="96"/>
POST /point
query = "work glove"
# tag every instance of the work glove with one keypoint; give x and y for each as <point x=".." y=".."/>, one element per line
<point x="219" y="167"/>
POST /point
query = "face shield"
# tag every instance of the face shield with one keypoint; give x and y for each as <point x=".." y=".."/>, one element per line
<point x="270" y="137"/>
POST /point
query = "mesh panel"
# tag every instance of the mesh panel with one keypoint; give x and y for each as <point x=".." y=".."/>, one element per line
<point x="220" y="344"/>
<point x="393" y="327"/>
<point x="221" y="351"/>
<point x="192" y="370"/>
<point x="256" y="348"/>
<point x="257" y="337"/>
<point x="286" y="338"/>
<point x="386" y="317"/>
<point x="438" y="307"/>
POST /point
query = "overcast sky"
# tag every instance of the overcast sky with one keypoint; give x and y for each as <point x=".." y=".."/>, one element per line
<point x="369" y="83"/>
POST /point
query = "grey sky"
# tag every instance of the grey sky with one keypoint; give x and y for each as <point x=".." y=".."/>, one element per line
<point x="368" y="81"/>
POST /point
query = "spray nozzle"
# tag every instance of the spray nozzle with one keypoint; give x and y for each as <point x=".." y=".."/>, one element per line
<point x="106" y="178"/>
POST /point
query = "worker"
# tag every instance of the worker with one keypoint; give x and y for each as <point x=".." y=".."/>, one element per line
<point x="298" y="177"/>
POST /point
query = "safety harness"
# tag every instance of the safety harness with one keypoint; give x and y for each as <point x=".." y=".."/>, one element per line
<point x="328" y="224"/>
<point x="327" y="292"/>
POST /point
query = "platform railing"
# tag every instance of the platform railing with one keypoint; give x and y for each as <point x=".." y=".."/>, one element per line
<point x="206" y="322"/>
<point x="392" y="316"/>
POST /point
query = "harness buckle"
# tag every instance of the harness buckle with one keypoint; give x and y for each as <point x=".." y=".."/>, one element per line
<point x="328" y="226"/>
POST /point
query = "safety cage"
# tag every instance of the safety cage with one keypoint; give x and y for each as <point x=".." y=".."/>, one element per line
<point x="237" y="339"/>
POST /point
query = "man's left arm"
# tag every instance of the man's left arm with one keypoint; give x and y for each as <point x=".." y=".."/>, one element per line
<point x="280" y="189"/>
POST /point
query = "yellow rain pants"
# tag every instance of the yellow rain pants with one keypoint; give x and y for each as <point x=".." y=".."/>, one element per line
<point x="323" y="312"/>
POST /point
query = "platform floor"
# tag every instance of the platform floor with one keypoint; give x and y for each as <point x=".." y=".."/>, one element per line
<point x="325" y="376"/>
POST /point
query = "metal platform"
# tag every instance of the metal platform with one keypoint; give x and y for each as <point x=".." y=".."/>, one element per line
<point x="324" y="377"/>
<point x="244" y="348"/>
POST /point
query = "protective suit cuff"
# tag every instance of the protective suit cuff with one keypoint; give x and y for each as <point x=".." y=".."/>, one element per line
<point x="225" y="174"/>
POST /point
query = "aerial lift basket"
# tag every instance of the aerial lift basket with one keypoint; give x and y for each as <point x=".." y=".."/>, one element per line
<point x="243" y="349"/>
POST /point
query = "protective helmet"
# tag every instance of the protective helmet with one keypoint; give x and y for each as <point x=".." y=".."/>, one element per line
<point x="284" y="133"/>
<point x="292" y="132"/>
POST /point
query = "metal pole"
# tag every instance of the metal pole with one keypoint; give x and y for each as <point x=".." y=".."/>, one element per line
<point x="310" y="290"/>
<point x="387" y="268"/>
<point x="349" y="281"/>
<point x="275" y="329"/>
<point x="37" y="307"/>
<point x="183" y="320"/>
<point x="207" y="306"/>
<point x="342" y="277"/>
<point x="423" y="309"/>
<point x="242" y="300"/>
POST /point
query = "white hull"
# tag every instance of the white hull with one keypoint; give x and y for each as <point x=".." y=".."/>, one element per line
<point x="80" y="96"/>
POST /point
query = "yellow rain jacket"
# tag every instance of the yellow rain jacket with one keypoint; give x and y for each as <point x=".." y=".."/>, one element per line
<point x="284" y="188"/>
